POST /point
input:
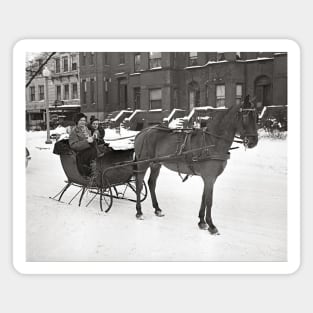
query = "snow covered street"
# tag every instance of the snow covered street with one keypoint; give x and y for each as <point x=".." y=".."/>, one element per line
<point x="249" y="209"/>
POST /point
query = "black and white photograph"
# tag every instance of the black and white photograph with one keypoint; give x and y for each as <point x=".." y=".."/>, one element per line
<point x="170" y="157"/>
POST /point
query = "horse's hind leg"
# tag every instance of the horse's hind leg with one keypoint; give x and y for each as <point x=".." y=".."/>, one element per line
<point x="154" y="174"/>
<point x="140" y="174"/>
<point x="208" y="198"/>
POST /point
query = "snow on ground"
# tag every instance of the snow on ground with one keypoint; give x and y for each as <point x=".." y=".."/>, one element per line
<point x="249" y="209"/>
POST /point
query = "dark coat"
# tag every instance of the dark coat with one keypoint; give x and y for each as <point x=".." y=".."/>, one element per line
<point x="100" y="136"/>
<point x="77" y="140"/>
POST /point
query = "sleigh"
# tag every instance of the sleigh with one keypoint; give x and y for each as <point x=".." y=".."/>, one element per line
<point x="115" y="177"/>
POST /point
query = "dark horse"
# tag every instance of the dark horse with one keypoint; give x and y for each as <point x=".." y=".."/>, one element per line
<point x="203" y="152"/>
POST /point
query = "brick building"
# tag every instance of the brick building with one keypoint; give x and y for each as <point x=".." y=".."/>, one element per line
<point x="63" y="89"/>
<point x="112" y="81"/>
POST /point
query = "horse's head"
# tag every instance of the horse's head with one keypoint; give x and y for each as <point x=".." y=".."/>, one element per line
<point x="247" y="127"/>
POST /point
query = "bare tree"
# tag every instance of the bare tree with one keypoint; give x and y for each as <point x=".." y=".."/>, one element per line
<point x="29" y="68"/>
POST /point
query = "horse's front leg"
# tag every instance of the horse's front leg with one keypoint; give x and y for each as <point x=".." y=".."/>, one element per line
<point x="154" y="174"/>
<point x="208" y="199"/>
<point x="202" y="223"/>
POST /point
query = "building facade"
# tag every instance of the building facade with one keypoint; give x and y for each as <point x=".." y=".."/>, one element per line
<point x="63" y="89"/>
<point x="111" y="81"/>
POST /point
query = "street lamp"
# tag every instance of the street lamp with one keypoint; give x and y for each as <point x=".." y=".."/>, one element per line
<point x="46" y="73"/>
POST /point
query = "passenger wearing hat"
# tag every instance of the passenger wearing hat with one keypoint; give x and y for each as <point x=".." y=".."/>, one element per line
<point x="96" y="130"/>
<point x="81" y="141"/>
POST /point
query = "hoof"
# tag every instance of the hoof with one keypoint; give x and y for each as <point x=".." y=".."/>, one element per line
<point x="158" y="213"/>
<point x="213" y="231"/>
<point x="203" y="226"/>
<point x="139" y="217"/>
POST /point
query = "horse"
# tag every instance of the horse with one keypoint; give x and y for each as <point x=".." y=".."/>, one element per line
<point x="203" y="152"/>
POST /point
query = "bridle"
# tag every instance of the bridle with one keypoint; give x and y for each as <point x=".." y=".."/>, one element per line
<point x="244" y="115"/>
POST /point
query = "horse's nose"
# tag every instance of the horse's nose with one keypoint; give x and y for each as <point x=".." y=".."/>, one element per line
<point x="252" y="142"/>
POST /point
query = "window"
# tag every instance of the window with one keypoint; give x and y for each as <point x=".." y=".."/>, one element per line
<point x="193" y="58"/>
<point x="122" y="93"/>
<point x="155" y="98"/>
<point x="32" y="94"/>
<point x="92" y="58"/>
<point x="175" y="99"/>
<point x="238" y="93"/>
<point x="155" y="59"/>
<point x="57" y="66"/>
<point x="66" y="92"/>
<point x="220" y="56"/>
<point x="207" y="94"/>
<point x="74" y="62"/>
<point x="41" y="92"/>
<point x="137" y="62"/>
<point x="92" y="90"/>
<point x="58" y="92"/>
<point x="263" y="91"/>
<point x="84" y="91"/>
<point x="36" y="116"/>
<point x="65" y="64"/>
<point x="74" y="91"/>
<point x="84" y="58"/>
<point x="106" y="90"/>
<point x="121" y="57"/>
<point x="137" y="98"/>
<point x="194" y="95"/>
<point x="106" y="61"/>
<point x="220" y="96"/>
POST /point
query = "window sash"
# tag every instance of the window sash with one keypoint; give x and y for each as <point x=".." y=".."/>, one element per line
<point x="74" y="91"/>
<point x="155" y="94"/>
<point x="155" y="55"/>
<point x="121" y="58"/>
<point x="84" y="92"/>
<point x="74" y="63"/>
<point x="65" y="64"/>
<point x="137" y="62"/>
<point x="193" y="58"/>
<point x="155" y="99"/>
<point x="57" y="66"/>
<point x="92" y="90"/>
<point x="220" y="91"/>
<point x="220" y="95"/>
<point x="41" y="92"/>
<point x="239" y="89"/>
<point x="84" y="59"/>
<point x="66" y="92"/>
<point x="58" y="92"/>
<point x="92" y="58"/>
<point x="32" y="94"/>
<point x="106" y="62"/>
<point x="155" y="59"/>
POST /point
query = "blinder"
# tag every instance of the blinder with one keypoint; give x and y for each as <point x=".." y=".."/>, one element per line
<point x="245" y="116"/>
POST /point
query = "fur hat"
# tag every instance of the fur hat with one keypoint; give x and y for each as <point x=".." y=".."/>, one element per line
<point x="78" y="116"/>
<point x="93" y="119"/>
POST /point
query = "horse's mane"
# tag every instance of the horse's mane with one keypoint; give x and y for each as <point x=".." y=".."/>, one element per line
<point x="222" y="120"/>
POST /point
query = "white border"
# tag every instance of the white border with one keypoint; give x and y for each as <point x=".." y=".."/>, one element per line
<point x="166" y="45"/>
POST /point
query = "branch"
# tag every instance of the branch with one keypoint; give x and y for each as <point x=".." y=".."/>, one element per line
<point x="40" y="68"/>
